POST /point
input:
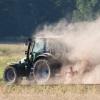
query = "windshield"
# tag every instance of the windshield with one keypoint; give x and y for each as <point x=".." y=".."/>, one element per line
<point x="39" y="45"/>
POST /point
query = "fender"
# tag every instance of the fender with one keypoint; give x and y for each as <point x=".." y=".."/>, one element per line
<point x="20" y="69"/>
<point x="45" y="55"/>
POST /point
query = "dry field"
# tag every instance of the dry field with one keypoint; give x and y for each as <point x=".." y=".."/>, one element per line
<point x="13" y="52"/>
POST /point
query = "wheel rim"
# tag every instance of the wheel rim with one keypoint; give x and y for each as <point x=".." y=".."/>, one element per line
<point x="10" y="75"/>
<point x="41" y="71"/>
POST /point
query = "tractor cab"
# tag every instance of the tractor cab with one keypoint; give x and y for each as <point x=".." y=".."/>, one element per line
<point x="36" y="47"/>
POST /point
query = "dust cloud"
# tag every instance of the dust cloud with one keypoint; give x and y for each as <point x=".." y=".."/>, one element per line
<point x="81" y="49"/>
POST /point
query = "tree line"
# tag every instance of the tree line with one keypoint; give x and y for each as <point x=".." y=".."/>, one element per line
<point x="22" y="17"/>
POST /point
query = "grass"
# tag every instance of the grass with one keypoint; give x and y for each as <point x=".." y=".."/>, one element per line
<point x="12" y="53"/>
<point x="54" y="89"/>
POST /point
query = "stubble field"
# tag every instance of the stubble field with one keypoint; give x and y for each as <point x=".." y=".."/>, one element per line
<point x="14" y="52"/>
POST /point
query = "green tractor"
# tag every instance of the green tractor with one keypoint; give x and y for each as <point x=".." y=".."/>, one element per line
<point x="40" y="63"/>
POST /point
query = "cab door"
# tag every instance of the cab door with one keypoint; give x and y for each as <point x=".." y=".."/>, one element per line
<point x="38" y="48"/>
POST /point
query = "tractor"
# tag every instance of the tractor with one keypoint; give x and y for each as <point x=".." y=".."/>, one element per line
<point x="40" y="63"/>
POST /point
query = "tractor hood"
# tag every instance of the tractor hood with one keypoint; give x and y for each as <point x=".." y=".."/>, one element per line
<point x="22" y="60"/>
<point x="19" y="62"/>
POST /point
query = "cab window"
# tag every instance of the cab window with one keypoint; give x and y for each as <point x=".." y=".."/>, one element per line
<point x="39" y="45"/>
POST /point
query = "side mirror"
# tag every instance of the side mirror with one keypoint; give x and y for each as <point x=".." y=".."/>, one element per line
<point x="28" y="41"/>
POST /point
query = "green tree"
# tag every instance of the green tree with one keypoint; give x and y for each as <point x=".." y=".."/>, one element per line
<point x="84" y="10"/>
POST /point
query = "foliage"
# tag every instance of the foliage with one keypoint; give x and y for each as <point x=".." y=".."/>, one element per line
<point x="22" y="17"/>
<point x="85" y="9"/>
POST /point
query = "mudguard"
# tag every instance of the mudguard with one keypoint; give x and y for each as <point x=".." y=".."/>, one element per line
<point x="45" y="56"/>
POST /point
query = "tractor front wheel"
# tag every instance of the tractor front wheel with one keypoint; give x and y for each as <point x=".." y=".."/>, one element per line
<point x="10" y="75"/>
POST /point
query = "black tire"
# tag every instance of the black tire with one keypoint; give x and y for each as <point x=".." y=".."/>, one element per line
<point x="42" y="71"/>
<point x="10" y="75"/>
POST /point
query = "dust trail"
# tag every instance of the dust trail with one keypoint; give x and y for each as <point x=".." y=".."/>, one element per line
<point x="82" y="41"/>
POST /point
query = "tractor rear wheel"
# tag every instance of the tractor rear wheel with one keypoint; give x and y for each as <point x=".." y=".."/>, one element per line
<point x="42" y="71"/>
